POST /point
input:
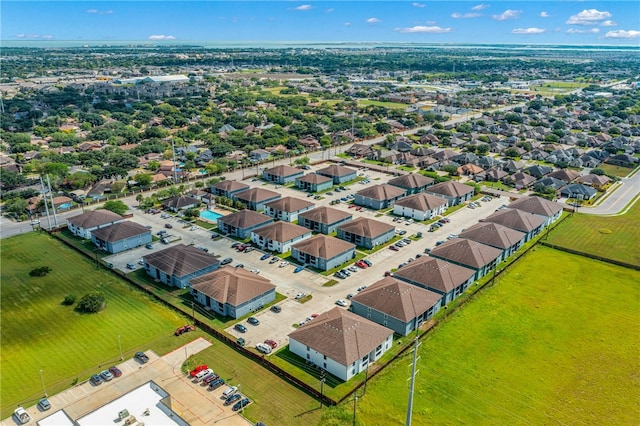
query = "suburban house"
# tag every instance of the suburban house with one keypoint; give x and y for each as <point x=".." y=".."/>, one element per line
<point x="519" y="220"/>
<point x="287" y="208"/>
<point x="180" y="202"/>
<point x="259" y="155"/>
<point x="228" y="188"/>
<point x="578" y="191"/>
<point x="596" y="181"/>
<point x="232" y="292"/>
<point x="445" y="278"/>
<point x="279" y="236"/>
<point x="412" y="183"/>
<point x="322" y="252"/>
<point x="365" y="232"/>
<point x="314" y="182"/>
<point x="83" y="225"/>
<point x="492" y="234"/>
<point x="379" y="196"/>
<point x="121" y="236"/>
<point x="420" y="206"/>
<point x="360" y="150"/>
<point x="256" y="198"/>
<point x="396" y="304"/>
<point x="323" y="219"/>
<point x="519" y="180"/>
<point x="565" y="175"/>
<point x="454" y="192"/>
<point x="177" y="265"/>
<point x="339" y="174"/>
<point x="470" y="254"/>
<point x="282" y="174"/>
<point x="241" y="223"/>
<point x="340" y="342"/>
<point x="548" y="210"/>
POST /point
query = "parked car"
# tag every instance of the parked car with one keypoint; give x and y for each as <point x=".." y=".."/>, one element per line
<point x="226" y="261"/>
<point x="344" y="271"/>
<point x="21" y="415"/>
<point x="283" y="264"/>
<point x="241" y="328"/>
<point x="210" y="378"/>
<point x="44" y="404"/>
<point x="201" y="375"/>
<point x="300" y="296"/>
<point x="362" y="264"/>
<point x="265" y="256"/>
<point x="394" y="248"/>
<point x="198" y="369"/>
<point x="273" y="260"/>
<point x="388" y="274"/>
<point x="253" y="321"/>
<point x="362" y="287"/>
<point x="216" y="384"/>
<point x="240" y="265"/>
<point x="131" y="266"/>
<point x="229" y="391"/>
<point x="256" y="271"/>
<point x="106" y="375"/>
<point x="142" y="357"/>
<point x="149" y="246"/>
<point x="115" y="371"/>
<point x="439" y="242"/>
<point x="341" y="302"/>
<point x="241" y="341"/>
<point x="233" y="398"/>
<point x="168" y="225"/>
<point x="96" y="380"/>
<point x="340" y="275"/>
<point x="240" y="404"/>
<point x="265" y="349"/>
<point x="298" y="269"/>
<point x="271" y="343"/>
<point x="353" y="268"/>
<point x="276" y="309"/>
<point x="367" y="262"/>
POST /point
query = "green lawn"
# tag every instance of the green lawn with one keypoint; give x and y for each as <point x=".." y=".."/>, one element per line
<point x="548" y="344"/>
<point x="39" y="333"/>
<point x="367" y="102"/>
<point x="613" y="237"/>
<point x="615" y="170"/>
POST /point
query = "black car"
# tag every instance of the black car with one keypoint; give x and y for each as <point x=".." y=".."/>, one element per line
<point x="276" y="309"/>
<point x="367" y="262"/>
<point x="253" y="321"/>
<point x="226" y="261"/>
<point x="216" y="384"/>
<point x="241" y="328"/>
<point x="233" y="398"/>
<point x="240" y="404"/>
<point x="142" y="357"/>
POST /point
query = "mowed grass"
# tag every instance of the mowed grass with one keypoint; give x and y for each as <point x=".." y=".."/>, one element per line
<point x="555" y="341"/>
<point x="275" y="401"/>
<point x="612" y="237"/>
<point x="615" y="170"/>
<point x="39" y="333"/>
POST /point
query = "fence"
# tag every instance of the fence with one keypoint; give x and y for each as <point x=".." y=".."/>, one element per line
<point x="592" y="256"/>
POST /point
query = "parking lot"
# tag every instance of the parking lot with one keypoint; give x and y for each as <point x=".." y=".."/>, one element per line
<point x="192" y="401"/>
<point x="277" y="326"/>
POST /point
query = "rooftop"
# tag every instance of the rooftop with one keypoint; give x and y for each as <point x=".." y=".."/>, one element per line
<point x="323" y="247"/>
<point x="94" y="218"/>
<point x="467" y="252"/>
<point x="289" y="204"/>
<point x="366" y="227"/>
<point x="435" y="273"/>
<point x="381" y="192"/>
<point x="281" y="231"/>
<point x="257" y="194"/>
<point x="421" y="202"/>
<point x="231" y="285"/>
<point x="326" y="215"/>
<point x="245" y="219"/>
<point x="120" y="231"/>
<point x="180" y="260"/>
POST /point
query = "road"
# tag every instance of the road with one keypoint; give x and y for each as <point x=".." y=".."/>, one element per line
<point x="618" y="199"/>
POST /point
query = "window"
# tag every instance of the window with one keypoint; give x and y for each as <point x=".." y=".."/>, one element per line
<point x="307" y="348"/>
<point x="325" y="357"/>
<point x="325" y="365"/>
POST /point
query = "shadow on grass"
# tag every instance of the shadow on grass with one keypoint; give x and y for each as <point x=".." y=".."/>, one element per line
<point x="301" y="364"/>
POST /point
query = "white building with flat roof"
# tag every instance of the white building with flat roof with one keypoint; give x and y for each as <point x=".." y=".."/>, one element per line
<point x="59" y="418"/>
<point x="148" y="404"/>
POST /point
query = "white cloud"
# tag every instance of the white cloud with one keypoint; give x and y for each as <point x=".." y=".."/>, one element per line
<point x="303" y="7"/>
<point x="416" y="4"/>
<point x="99" y="12"/>
<point x="623" y="34"/>
<point x="577" y="31"/>
<point x="161" y="37"/>
<point x="457" y="15"/>
<point x="424" y="29"/>
<point x="329" y="10"/>
<point x="507" y="14"/>
<point x="480" y="7"/>
<point x="347" y="24"/>
<point x="35" y="36"/>
<point x="532" y="30"/>
<point x="544" y="14"/>
<point x="588" y="17"/>
<point x="373" y="20"/>
<point x="609" y="23"/>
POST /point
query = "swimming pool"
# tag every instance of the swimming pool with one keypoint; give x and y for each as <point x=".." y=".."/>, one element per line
<point x="64" y="206"/>
<point x="209" y="215"/>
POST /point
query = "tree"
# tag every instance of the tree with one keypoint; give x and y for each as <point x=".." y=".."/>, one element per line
<point x="451" y="169"/>
<point x="511" y="153"/>
<point x="80" y="180"/>
<point x="91" y="302"/>
<point x="139" y="199"/>
<point x="116" y="206"/>
<point x="16" y="206"/>
<point x="143" y="179"/>
<point x="10" y="180"/>
<point x="303" y="161"/>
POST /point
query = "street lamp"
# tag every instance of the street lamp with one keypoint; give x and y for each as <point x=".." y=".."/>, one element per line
<point x="322" y="379"/>
<point x="43" y="387"/>
<point x="120" y="345"/>
<point x="355" y="402"/>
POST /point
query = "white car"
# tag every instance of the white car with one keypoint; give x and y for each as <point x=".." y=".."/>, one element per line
<point x="21" y="415"/>
<point x="264" y="348"/>
<point x="341" y="302"/>
<point x="283" y="264"/>
<point x="300" y="296"/>
<point x="255" y="271"/>
<point x="193" y="228"/>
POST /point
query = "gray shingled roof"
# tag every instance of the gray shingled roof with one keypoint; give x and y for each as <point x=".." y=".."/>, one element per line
<point x="231" y="285"/>
<point x="381" y="192"/>
<point x="366" y="227"/>
<point x="451" y="189"/>
<point x="515" y="219"/>
<point x="410" y="181"/>
<point x="467" y="252"/>
<point x="281" y="231"/>
<point x="335" y="170"/>
<point x="245" y="219"/>
<point x="421" y="202"/>
<point x="326" y="215"/>
<point x="230" y="185"/>
<point x="180" y="260"/>
<point x="283" y="171"/>
<point x="314" y="178"/>
<point x="493" y="234"/>
<point x="256" y="195"/>
<point x="341" y="335"/>
<point x="120" y="231"/>
<point x="289" y="204"/>
<point x="397" y="299"/>
<point x="323" y="247"/>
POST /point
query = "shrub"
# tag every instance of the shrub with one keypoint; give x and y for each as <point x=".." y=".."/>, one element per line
<point x="69" y="300"/>
<point x="40" y="272"/>
<point x="91" y="302"/>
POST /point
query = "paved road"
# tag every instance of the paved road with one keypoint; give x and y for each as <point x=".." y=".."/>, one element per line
<point x="621" y="197"/>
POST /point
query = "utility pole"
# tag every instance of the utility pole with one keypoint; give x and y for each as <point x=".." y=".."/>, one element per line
<point x="193" y="313"/>
<point x="53" y="207"/>
<point x="120" y="345"/>
<point x="44" y="198"/>
<point x="413" y="380"/>
<point x="43" y="388"/>
<point x="322" y="379"/>
<point x="175" y="172"/>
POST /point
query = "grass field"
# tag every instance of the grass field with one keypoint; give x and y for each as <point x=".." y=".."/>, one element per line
<point x="615" y="170"/>
<point x="39" y="333"/>
<point x="548" y="344"/>
<point x="613" y="237"/>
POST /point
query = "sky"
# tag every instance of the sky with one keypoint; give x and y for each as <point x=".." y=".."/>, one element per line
<point x="511" y="22"/>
